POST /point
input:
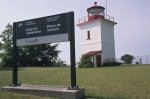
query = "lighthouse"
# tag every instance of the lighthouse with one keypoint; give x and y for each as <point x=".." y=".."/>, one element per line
<point x="97" y="35"/>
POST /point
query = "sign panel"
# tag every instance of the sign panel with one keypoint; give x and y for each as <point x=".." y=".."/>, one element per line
<point x="50" y="29"/>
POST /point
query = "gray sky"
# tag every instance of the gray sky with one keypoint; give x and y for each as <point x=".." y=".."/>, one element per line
<point x="132" y="32"/>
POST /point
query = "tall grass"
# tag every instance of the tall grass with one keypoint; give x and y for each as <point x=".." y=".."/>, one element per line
<point x="124" y="82"/>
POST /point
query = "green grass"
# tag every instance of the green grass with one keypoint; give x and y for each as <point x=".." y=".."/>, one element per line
<point x="123" y="82"/>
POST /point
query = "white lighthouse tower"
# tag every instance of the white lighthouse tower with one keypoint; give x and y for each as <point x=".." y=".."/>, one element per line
<point x="97" y="35"/>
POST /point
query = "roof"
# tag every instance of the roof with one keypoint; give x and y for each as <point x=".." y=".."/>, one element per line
<point x="95" y="7"/>
<point x="92" y="53"/>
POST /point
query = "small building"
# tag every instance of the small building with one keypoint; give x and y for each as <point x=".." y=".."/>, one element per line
<point x="97" y="35"/>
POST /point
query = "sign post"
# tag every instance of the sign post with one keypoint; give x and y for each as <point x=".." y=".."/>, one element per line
<point x="72" y="51"/>
<point x="15" y="71"/>
<point x="50" y="29"/>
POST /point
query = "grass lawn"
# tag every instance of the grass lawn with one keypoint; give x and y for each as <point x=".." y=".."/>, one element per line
<point x="124" y="82"/>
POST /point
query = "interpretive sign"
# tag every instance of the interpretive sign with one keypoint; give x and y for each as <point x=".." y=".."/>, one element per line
<point x="50" y="29"/>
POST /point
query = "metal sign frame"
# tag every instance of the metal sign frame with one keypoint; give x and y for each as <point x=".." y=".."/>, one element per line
<point x="71" y="36"/>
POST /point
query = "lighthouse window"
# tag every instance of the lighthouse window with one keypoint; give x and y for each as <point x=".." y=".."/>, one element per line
<point x="88" y="35"/>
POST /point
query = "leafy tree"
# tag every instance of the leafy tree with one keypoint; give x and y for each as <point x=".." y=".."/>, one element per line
<point x="127" y="58"/>
<point x="39" y="55"/>
<point x="85" y="62"/>
<point x="6" y="46"/>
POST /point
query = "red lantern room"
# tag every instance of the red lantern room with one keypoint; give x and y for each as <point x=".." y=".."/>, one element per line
<point x="95" y="12"/>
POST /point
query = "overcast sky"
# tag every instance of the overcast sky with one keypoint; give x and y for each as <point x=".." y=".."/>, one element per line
<point x="132" y="33"/>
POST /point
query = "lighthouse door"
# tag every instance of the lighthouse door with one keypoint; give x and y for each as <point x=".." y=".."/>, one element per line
<point x="98" y="60"/>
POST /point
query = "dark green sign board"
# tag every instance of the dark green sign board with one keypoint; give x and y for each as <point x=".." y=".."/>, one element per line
<point x="43" y="30"/>
<point x="50" y="29"/>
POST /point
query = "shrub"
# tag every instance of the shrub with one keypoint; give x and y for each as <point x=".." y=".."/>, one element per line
<point x="137" y="63"/>
<point x="60" y="62"/>
<point x="85" y="62"/>
<point x="112" y="64"/>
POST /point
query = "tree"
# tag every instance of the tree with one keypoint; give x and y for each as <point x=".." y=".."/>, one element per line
<point x="39" y="55"/>
<point x="127" y="58"/>
<point x="85" y="62"/>
<point x="6" y="46"/>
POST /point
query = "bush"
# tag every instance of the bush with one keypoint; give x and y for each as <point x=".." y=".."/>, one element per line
<point x="137" y="63"/>
<point x="1" y="68"/>
<point x="85" y="62"/>
<point x="112" y="64"/>
<point x="60" y="62"/>
<point x="3" y="65"/>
